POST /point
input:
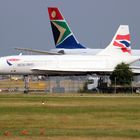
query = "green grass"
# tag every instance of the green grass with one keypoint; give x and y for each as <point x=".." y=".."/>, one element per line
<point x="103" y="117"/>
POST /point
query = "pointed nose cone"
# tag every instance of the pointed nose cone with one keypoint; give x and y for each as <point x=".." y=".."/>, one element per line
<point x="4" y="66"/>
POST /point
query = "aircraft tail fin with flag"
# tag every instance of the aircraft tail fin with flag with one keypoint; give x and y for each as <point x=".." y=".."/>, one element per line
<point x="63" y="36"/>
<point x="120" y="44"/>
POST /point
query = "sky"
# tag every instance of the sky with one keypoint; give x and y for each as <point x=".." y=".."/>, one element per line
<point x="25" y="23"/>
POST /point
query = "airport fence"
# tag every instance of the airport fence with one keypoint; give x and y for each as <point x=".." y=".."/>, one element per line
<point x="64" y="84"/>
<point x="57" y="84"/>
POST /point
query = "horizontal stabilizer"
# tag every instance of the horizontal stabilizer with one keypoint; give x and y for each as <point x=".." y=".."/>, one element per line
<point x="38" y="51"/>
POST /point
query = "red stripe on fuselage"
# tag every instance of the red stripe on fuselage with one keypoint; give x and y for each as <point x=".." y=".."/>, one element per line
<point x="13" y="59"/>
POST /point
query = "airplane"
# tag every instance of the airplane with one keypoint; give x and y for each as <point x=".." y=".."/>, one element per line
<point x="65" y="40"/>
<point x="118" y="51"/>
<point x="62" y="43"/>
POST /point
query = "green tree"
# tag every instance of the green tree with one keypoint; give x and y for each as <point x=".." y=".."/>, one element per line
<point x="122" y="75"/>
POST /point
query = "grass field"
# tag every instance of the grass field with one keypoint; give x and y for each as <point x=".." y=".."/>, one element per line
<point x="72" y="118"/>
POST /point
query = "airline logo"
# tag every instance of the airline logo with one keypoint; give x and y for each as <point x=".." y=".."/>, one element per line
<point x="59" y="26"/>
<point x="63" y="37"/>
<point x="123" y="41"/>
<point x="11" y="60"/>
<point x="55" y="14"/>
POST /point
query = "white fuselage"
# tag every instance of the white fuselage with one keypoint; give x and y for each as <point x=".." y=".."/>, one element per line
<point x="45" y="64"/>
<point x="87" y="51"/>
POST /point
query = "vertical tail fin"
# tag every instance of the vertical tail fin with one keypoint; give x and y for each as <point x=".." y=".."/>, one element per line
<point x="120" y="44"/>
<point x="63" y="36"/>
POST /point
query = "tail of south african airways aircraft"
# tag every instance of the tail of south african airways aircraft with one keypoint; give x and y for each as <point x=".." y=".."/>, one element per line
<point x="120" y="44"/>
<point x="63" y="36"/>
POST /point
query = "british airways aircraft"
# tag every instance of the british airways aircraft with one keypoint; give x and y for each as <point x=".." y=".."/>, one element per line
<point x="118" y="51"/>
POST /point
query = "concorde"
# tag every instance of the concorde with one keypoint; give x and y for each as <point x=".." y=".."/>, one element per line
<point x="119" y="50"/>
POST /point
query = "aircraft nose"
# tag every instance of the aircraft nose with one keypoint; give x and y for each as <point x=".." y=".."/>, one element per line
<point x="3" y="67"/>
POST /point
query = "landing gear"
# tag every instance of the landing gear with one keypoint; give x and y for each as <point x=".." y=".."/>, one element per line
<point x="26" y="83"/>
